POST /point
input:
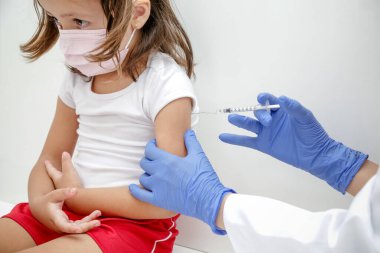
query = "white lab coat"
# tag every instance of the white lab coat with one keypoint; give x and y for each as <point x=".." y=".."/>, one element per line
<point x="257" y="224"/>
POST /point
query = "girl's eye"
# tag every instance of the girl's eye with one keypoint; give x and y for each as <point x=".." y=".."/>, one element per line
<point x="81" y="23"/>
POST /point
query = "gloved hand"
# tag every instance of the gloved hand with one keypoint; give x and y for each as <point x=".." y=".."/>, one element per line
<point x="186" y="185"/>
<point x="293" y="135"/>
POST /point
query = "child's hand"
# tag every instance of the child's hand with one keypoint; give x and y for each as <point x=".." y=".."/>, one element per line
<point x="66" y="178"/>
<point x="47" y="209"/>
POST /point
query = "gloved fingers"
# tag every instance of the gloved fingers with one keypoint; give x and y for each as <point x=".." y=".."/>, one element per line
<point x="145" y="181"/>
<point x="149" y="166"/>
<point x="141" y="194"/>
<point x="264" y="117"/>
<point x="262" y="98"/>
<point x="152" y="152"/>
<point x="240" y="140"/>
<point x="246" y="123"/>
<point x="293" y="107"/>
<point x="192" y="144"/>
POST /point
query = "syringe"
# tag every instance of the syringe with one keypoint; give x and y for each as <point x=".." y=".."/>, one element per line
<point x="258" y="107"/>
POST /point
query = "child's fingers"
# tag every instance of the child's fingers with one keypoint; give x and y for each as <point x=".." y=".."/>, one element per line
<point x="86" y="226"/>
<point x="53" y="173"/>
<point x="67" y="164"/>
<point x="64" y="225"/>
<point x="60" y="195"/>
<point x="92" y="216"/>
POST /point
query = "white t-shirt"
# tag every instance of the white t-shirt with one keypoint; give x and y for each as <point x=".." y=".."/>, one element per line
<point x="114" y="128"/>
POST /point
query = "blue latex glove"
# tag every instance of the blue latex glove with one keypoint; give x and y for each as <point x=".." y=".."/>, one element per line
<point x="187" y="185"/>
<point x="293" y="135"/>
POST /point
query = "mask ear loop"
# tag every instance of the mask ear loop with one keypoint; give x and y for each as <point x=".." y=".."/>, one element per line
<point x="131" y="38"/>
<point x="128" y="44"/>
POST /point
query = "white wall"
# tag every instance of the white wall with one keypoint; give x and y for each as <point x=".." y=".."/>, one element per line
<point x="27" y="98"/>
<point x="322" y="52"/>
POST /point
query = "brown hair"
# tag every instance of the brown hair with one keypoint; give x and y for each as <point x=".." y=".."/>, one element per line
<point x="162" y="32"/>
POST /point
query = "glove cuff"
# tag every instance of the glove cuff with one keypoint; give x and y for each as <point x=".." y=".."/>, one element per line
<point x="345" y="165"/>
<point x="356" y="159"/>
<point x="215" y="211"/>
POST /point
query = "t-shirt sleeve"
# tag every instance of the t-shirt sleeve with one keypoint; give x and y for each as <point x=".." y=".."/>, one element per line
<point x="66" y="90"/>
<point x="166" y="87"/>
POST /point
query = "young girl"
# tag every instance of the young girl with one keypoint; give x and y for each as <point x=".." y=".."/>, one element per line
<point x="130" y="65"/>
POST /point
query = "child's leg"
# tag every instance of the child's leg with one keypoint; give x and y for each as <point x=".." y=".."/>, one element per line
<point x="13" y="237"/>
<point x="67" y="244"/>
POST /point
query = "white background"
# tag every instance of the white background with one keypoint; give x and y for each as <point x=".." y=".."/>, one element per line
<point x="325" y="53"/>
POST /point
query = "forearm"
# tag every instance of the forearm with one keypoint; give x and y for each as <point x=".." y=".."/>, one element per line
<point x="115" y="202"/>
<point x="366" y="172"/>
<point x="39" y="181"/>
<point x="39" y="186"/>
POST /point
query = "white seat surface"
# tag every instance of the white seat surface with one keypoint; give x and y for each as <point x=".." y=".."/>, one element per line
<point x="5" y="208"/>
<point x="179" y="249"/>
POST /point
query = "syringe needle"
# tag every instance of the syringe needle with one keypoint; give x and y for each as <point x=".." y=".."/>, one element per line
<point x="205" y="113"/>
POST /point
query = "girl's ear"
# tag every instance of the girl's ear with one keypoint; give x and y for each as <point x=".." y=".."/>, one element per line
<point x="141" y="13"/>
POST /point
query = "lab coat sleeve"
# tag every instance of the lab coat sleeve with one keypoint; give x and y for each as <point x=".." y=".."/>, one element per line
<point x="257" y="224"/>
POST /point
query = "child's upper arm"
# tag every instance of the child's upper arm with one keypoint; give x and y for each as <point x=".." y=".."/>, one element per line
<point x="62" y="137"/>
<point x="62" y="134"/>
<point x="171" y="123"/>
<point x="170" y="101"/>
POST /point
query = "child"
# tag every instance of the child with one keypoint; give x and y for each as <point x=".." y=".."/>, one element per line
<point x="130" y="65"/>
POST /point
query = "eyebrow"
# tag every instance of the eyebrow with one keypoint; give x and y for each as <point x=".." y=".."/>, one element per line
<point x="66" y="15"/>
<point x="63" y="15"/>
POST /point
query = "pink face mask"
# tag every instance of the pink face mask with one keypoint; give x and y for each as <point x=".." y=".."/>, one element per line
<point x="77" y="45"/>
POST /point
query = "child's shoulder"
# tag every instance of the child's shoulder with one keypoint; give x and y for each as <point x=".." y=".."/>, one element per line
<point x="163" y="64"/>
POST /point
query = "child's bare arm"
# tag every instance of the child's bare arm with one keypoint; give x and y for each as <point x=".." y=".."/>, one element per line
<point x="62" y="137"/>
<point x="170" y="125"/>
<point x="45" y="202"/>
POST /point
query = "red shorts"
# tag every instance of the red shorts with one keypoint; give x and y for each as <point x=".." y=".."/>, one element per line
<point x="112" y="236"/>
